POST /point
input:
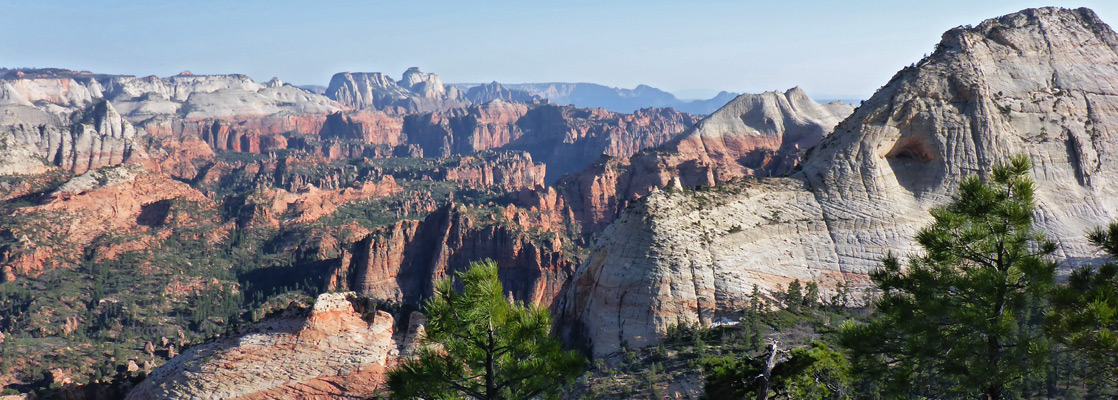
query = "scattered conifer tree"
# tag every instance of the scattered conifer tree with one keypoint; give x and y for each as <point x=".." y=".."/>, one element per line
<point x="960" y="320"/>
<point x="1084" y="313"/>
<point x="480" y="345"/>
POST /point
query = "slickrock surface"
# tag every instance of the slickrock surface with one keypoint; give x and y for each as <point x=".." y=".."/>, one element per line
<point x="333" y="353"/>
<point x="1041" y="82"/>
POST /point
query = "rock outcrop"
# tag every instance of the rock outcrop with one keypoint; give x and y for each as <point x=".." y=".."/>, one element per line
<point x="416" y="92"/>
<point x="107" y="200"/>
<point x="93" y="138"/>
<point x="311" y="203"/>
<point x="402" y="261"/>
<point x="759" y="134"/>
<point x="334" y="352"/>
<point x="1041" y="82"/>
<point x="754" y="135"/>
<point x="508" y="170"/>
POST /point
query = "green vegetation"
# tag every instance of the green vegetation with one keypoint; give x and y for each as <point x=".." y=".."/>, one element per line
<point x="811" y="372"/>
<point x="964" y="319"/>
<point x="1084" y="314"/>
<point x="480" y="345"/>
<point x="976" y="314"/>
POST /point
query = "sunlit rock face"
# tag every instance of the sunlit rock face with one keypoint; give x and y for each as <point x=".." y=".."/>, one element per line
<point x="334" y="352"/>
<point x="416" y="92"/>
<point x="1040" y="82"/>
<point x="95" y="136"/>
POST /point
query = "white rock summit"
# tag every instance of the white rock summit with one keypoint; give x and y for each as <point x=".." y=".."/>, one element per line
<point x="1041" y="82"/>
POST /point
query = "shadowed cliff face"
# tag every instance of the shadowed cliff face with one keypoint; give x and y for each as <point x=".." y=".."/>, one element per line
<point x="402" y="261"/>
<point x="566" y="139"/>
<point x="1041" y="82"/>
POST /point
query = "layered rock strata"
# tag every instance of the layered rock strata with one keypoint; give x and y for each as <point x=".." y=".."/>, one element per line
<point x="332" y="353"/>
<point x="754" y="135"/>
<point x="415" y="92"/>
<point x="402" y="261"/>
<point x="95" y="137"/>
<point x="1041" y="82"/>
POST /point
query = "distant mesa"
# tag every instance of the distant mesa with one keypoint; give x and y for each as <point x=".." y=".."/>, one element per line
<point x="593" y="95"/>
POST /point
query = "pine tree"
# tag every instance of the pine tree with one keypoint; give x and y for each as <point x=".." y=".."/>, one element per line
<point x="480" y="345"/>
<point x="794" y="297"/>
<point x="811" y="295"/>
<point x="752" y="319"/>
<point x="1084" y="312"/>
<point x="961" y="320"/>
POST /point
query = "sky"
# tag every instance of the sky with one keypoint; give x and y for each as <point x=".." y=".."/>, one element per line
<point x="831" y="49"/>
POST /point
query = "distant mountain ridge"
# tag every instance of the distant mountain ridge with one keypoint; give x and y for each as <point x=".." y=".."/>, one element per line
<point x="593" y="95"/>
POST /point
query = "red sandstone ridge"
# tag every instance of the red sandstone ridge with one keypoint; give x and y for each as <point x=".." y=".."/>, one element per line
<point x="331" y="353"/>
<point x="367" y="126"/>
<point x="401" y="261"/>
<point x="311" y="203"/>
<point x="506" y="170"/>
<point x="565" y="138"/>
<point x="121" y="199"/>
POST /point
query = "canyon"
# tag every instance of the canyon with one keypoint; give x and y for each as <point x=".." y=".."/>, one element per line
<point x="259" y="225"/>
<point x="216" y="199"/>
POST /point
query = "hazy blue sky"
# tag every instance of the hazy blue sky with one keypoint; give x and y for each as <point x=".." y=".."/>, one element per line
<point x="833" y="49"/>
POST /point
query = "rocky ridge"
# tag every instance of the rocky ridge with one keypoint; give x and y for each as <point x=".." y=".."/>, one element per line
<point x="94" y="137"/>
<point x="333" y="352"/>
<point x="754" y="135"/>
<point x="415" y="92"/>
<point x="592" y="95"/>
<point x="1041" y="82"/>
<point x="488" y="92"/>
